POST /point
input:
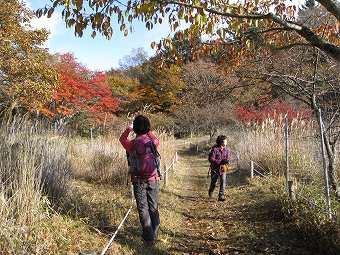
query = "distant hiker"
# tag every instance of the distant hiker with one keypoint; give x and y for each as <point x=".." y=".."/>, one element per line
<point x="144" y="169"/>
<point x="219" y="158"/>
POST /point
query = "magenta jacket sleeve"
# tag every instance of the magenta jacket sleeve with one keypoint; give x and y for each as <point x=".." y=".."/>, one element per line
<point x="127" y="144"/>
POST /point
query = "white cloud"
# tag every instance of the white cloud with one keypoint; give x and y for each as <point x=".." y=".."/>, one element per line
<point x="49" y="24"/>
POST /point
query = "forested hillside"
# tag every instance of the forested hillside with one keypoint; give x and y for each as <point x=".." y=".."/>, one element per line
<point x="263" y="73"/>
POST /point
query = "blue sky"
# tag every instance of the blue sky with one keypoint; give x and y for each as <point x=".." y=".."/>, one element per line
<point x="98" y="53"/>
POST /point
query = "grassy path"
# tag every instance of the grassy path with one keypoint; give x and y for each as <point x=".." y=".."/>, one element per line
<point x="248" y="222"/>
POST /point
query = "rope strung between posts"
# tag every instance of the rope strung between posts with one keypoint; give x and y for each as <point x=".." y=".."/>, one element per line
<point x="116" y="232"/>
<point x="259" y="167"/>
<point x="127" y="214"/>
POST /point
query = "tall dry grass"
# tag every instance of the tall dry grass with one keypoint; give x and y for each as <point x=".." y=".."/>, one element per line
<point x="37" y="165"/>
<point x="103" y="160"/>
<point x="265" y="145"/>
<point x="34" y="168"/>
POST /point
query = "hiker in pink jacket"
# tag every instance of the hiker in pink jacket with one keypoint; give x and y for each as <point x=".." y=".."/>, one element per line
<point x="144" y="167"/>
<point x="219" y="158"/>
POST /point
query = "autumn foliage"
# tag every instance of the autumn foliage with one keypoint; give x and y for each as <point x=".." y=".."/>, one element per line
<point x="82" y="95"/>
<point x="275" y="110"/>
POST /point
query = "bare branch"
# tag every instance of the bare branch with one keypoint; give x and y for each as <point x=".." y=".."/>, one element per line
<point x="333" y="6"/>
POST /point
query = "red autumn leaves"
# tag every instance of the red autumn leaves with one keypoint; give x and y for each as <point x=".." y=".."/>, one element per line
<point x="80" y="92"/>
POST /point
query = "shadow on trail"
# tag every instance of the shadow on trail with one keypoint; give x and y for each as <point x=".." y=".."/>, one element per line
<point x="131" y="237"/>
<point x="97" y="219"/>
<point x="185" y="243"/>
<point x="250" y="221"/>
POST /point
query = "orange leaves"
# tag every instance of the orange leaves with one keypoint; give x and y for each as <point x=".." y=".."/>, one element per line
<point x="80" y="91"/>
<point x="65" y="111"/>
<point x="47" y="113"/>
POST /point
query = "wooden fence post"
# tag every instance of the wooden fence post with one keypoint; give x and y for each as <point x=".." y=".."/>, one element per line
<point x="287" y="153"/>
<point x="325" y="172"/>
<point x="291" y="190"/>
<point x="132" y="193"/>
<point x="165" y="176"/>
<point x="251" y="169"/>
<point x="91" y="135"/>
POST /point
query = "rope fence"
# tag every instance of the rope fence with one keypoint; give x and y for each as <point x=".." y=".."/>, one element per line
<point x="291" y="180"/>
<point x="291" y="189"/>
<point x="116" y="232"/>
<point x="165" y="175"/>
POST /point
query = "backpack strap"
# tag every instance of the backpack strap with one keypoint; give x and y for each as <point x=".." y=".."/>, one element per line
<point x="153" y="148"/>
<point x="156" y="153"/>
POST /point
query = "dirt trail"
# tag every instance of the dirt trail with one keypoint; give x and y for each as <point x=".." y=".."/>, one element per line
<point x="248" y="222"/>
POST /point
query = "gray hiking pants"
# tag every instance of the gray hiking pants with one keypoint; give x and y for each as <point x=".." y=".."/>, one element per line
<point x="223" y="180"/>
<point x="146" y="195"/>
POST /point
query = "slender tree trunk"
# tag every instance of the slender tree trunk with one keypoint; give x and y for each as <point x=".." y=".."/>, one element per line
<point x="331" y="152"/>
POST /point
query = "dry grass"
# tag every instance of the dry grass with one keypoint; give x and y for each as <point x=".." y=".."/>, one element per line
<point x="31" y="165"/>
<point x="61" y="195"/>
<point x="102" y="161"/>
<point x="43" y="210"/>
<point x="265" y="145"/>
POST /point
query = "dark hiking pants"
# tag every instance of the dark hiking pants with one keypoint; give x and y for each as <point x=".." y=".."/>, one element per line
<point x="214" y="178"/>
<point x="146" y="195"/>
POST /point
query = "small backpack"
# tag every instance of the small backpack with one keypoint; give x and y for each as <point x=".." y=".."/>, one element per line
<point x="144" y="160"/>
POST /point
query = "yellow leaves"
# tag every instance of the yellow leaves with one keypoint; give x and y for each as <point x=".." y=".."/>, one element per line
<point x="209" y="28"/>
<point x="181" y="13"/>
<point x="175" y="26"/>
<point x="236" y="25"/>
<point x="31" y="76"/>
<point x="204" y="18"/>
<point x="197" y="18"/>
<point x="79" y="4"/>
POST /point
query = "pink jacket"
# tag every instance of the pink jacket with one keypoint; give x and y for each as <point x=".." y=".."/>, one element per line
<point x="128" y="146"/>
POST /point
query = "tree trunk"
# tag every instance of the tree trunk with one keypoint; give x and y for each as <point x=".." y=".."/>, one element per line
<point x="333" y="6"/>
<point x="331" y="152"/>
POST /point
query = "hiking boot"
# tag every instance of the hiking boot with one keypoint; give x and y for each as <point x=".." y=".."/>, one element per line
<point x="210" y="194"/>
<point x="150" y="243"/>
<point x="221" y="198"/>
